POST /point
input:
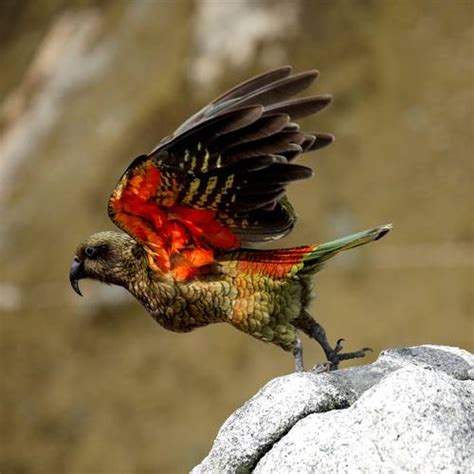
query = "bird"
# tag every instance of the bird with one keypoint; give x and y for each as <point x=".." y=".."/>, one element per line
<point x="193" y="212"/>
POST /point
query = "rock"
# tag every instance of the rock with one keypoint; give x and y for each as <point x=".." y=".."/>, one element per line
<point x="411" y="411"/>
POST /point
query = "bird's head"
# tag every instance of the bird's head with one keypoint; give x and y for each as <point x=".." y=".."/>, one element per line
<point x="110" y="257"/>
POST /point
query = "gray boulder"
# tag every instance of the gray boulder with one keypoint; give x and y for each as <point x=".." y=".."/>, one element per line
<point x="410" y="411"/>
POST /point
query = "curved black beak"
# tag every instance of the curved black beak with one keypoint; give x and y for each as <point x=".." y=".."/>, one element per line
<point x="76" y="273"/>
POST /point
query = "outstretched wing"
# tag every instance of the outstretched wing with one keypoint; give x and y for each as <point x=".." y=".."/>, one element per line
<point x="219" y="182"/>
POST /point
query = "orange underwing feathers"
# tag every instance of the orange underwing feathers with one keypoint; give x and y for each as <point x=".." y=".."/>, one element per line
<point x="167" y="231"/>
<point x="219" y="182"/>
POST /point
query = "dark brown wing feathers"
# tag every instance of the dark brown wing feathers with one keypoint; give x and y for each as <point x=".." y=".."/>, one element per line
<point x="237" y="152"/>
<point x="230" y="163"/>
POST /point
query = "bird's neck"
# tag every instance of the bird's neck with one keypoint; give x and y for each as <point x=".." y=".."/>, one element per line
<point x="156" y="292"/>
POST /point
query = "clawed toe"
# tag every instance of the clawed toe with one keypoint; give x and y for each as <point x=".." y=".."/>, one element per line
<point x="335" y="356"/>
<point x="338" y="347"/>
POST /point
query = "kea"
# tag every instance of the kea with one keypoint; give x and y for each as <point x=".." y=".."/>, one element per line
<point x="193" y="210"/>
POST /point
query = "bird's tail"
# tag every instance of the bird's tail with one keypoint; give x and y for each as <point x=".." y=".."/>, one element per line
<point x="313" y="261"/>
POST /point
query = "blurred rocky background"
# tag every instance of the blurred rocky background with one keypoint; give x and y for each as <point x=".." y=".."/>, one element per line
<point x="93" y="384"/>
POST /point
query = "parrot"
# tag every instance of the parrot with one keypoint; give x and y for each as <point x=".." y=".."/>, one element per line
<point x="194" y="212"/>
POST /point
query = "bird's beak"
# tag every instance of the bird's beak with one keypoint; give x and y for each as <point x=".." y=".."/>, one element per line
<point x="76" y="273"/>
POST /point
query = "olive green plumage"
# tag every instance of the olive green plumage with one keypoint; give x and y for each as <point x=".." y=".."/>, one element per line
<point x="269" y="308"/>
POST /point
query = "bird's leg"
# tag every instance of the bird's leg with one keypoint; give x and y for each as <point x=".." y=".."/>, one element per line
<point x="333" y="355"/>
<point x="298" y="354"/>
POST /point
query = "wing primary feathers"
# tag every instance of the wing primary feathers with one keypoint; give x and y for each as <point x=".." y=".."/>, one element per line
<point x="307" y="143"/>
<point x="246" y="165"/>
<point x="291" y="127"/>
<point x="214" y="127"/>
<point x="274" y="144"/>
<point x="229" y="98"/>
<point x="254" y="83"/>
<point x="292" y="152"/>
<point x="322" y="140"/>
<point x="281" y="173"/>
<point x="279" y="90"/>
<point x="219" y="181"/>
<point x="261" y="128"/>
<point x="301" y="107"/>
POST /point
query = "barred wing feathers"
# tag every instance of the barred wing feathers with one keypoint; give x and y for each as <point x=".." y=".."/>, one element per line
<point x="219" y="182"/>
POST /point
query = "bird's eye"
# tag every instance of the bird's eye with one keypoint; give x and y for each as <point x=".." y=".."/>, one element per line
<point x="91" y="252"/>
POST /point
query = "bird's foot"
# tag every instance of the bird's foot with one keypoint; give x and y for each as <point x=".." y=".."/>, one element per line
<point x="335" y="356"/>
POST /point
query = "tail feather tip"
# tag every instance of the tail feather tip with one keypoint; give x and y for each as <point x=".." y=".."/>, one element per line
<point x="382" y="230"/>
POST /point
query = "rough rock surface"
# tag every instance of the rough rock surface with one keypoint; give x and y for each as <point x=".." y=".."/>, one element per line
<point x="410" y="411"/>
